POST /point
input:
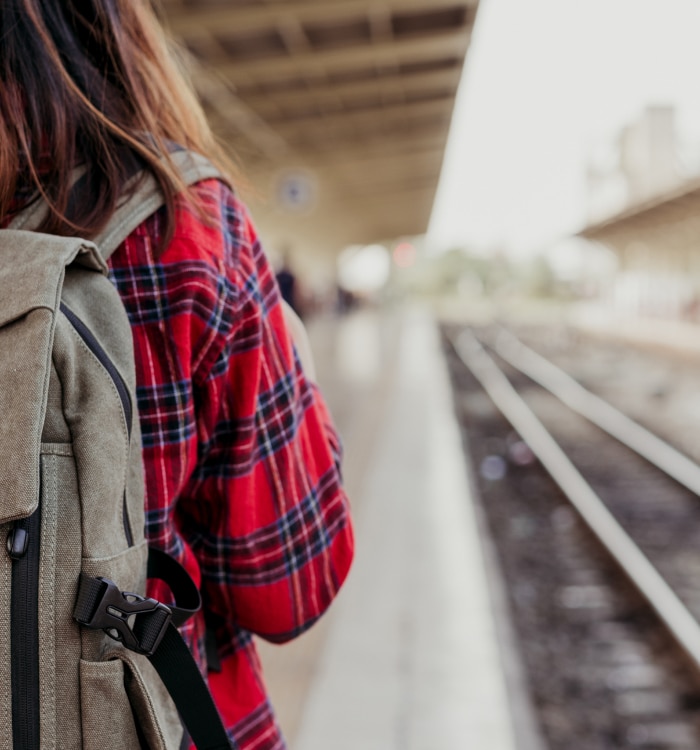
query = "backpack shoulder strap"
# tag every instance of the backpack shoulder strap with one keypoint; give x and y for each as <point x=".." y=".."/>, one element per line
<point x="148" y="199"/>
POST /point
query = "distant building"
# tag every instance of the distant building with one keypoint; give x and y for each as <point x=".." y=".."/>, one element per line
<point x="649" y="155"/>
<point x="651" y="222"/>
<point x="644" y="163"/>
<point x="657" y="243"/>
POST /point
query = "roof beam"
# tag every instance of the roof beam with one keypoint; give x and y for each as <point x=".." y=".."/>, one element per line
<point x="388" y="186"/>
<point x="377" y="148"/>
<point x="454" y="42"/>
<point x="293" y="35"/>
<point x="327" y="148"/>
<point x="382" y="170"/>
<point x="440" y="100"/>
<point x="390" y="118"/>
<point x="387" y="192"/>
<point x="324" y="140"/>
<point x="359" y="161"/>
<point x="380" y="22"/>
<point x="227" y="18"/>
<point x="324" y="92"/>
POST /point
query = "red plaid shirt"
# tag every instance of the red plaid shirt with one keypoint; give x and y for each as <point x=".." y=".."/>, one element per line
<point x="242" y="462"/>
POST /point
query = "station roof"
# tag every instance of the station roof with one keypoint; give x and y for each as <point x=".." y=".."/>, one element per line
<point x="347" y="102"/>
<point x="668" y="208"/>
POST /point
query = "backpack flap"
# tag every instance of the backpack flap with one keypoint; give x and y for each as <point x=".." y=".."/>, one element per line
<point x="32" y="269"/>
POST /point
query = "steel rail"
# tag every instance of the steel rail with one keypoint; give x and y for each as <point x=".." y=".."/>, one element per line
<point x="596" y="410"/>
<point x="681" y="624"/>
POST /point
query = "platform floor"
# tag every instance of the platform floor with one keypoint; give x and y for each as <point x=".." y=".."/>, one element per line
<point x="407" y="658"/>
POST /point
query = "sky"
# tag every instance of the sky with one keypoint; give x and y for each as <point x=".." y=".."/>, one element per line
<point x="546" y="84"/>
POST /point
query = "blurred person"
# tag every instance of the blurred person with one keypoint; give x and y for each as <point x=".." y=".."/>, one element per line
<point x="288" y="285"/>
<point x="241" y="460"/>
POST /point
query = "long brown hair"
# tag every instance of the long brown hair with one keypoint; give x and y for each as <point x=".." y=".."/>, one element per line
<point x="91" y="83"/>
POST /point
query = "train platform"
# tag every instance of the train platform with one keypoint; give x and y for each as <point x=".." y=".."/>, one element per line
<point x="412" y="654"/>
<point x="664" y="334"/>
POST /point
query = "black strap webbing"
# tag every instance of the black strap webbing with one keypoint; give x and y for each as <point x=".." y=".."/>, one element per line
<point x="183" y="680"/>
<point x="187" y="598"/>
<point x="175" y="664"/>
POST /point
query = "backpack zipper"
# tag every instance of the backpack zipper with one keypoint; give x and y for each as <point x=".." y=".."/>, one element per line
<point x="95" y="347"/>
<point x="23" y="547"/>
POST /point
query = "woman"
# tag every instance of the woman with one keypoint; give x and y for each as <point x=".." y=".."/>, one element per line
<point x="241" y="461"/>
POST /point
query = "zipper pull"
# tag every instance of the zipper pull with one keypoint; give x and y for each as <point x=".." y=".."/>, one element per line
<point x="17" y="542"/>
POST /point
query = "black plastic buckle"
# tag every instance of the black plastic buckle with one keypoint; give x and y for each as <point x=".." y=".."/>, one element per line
<point x="133" y="620"/>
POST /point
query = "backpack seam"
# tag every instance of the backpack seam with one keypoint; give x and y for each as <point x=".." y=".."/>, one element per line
<point x="113" y="387"/>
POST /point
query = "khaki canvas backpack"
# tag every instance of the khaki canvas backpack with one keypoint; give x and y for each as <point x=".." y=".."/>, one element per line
<point x="86" y="661"/>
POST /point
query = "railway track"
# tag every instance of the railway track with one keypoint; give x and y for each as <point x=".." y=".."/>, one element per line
<point x="597" y="524"/>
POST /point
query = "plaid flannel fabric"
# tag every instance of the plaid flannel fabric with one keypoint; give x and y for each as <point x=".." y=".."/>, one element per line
<point x="241" y="460"/>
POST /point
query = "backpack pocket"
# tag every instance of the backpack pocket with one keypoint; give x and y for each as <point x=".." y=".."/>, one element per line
<point x="125" y="705"/>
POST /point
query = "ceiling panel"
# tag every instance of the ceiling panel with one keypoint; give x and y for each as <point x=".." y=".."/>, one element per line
<point x="355" y="95"/>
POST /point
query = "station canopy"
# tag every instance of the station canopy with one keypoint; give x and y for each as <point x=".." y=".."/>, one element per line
<point x="338" y="110"/>
<point x="663" y="224"/>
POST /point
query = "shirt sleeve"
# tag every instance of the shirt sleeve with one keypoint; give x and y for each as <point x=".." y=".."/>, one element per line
<point x="265" y="512"/>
